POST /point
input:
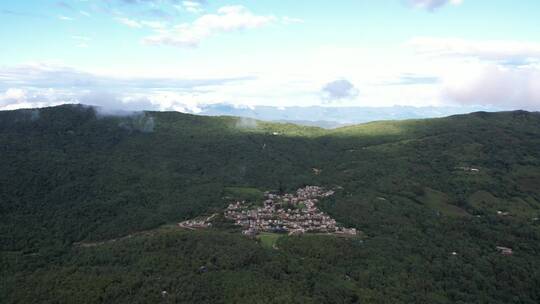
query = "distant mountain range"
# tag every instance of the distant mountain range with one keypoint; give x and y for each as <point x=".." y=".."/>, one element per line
<point x="331" y="117"/>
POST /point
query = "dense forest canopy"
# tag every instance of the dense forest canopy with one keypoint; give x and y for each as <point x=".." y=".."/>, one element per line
<point x="433" y="199"/>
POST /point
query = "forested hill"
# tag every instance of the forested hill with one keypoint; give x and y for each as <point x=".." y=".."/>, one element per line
<point x="433" y="198"/>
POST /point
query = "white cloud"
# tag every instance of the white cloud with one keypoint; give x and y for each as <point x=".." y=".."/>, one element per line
<point x="58" y="76"/>
<point x="38" y="85"/>
<point x="433" y="4"/>
<point x="16" y="98"/>
<point x="340" y="89"/>
<point x="500" y="50"/>
<point x="504" y="74"/>
<point x="12" y="94"/>
<point x="155" y="25"/>
<point x="65" y="18"/>
<point x="489" y="84"/>
<point x="129" y="22"/>
<point x="195" y="7"/>
<point x="227" y="19"/>
<point x="111" y="102"/>
<point x="297" y="78"/>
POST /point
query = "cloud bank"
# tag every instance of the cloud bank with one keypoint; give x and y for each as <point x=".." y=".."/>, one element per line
<point x="500" y="73"/>
<point x="38" y="85"/>
<point x="504" y="87"/>
<point x="57" y="76"/>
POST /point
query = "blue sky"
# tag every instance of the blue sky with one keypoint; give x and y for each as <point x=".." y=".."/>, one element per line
<point x="179" y="55"/>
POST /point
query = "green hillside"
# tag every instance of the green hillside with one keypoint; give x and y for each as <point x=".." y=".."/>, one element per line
<point x="433" y="198"/>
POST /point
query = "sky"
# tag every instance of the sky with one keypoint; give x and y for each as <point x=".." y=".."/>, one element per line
<point x="180" y="55"/>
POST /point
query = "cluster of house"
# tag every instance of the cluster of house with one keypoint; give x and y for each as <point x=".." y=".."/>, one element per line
<point x="289" y="213"/>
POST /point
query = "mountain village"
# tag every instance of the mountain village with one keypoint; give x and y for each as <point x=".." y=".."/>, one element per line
<point x="287" y="213"/>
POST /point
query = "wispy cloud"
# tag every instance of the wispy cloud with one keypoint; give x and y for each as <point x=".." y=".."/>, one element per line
<point x="156" y="2"/>
<point x="156" y="25"/>
<point x="162" y="9"/>
<point x="413" y="79"/>
<point x="22" y="14"/>
<point x="65" y="5"/>
<point x="129" y="22"/>
<point x="227" y="19"/>
<point x="195" y="7"/>
<point x="54" y="76"/>
<point x="65" y="18"/>
<point x="433" y="4"/>
<point x="291" y="20"/>
<point x="498" y="50"/>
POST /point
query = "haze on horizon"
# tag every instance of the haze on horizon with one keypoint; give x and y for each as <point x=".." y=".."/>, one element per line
<point x="182" y="55"/>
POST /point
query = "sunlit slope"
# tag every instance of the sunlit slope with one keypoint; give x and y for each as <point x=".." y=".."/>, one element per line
<point x="457" y="157"/>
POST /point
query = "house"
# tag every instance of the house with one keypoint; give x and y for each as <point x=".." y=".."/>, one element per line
<point x="504" y="250"/>
<point x="251" y="232"/>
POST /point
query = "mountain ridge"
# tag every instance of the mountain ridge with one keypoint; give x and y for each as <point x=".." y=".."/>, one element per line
<point x="333" y="116"/>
